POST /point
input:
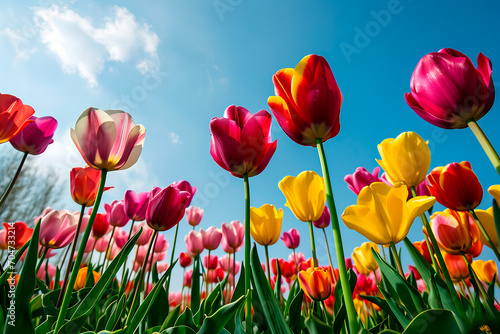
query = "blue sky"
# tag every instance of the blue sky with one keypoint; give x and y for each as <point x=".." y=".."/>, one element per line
<point x="174" y="65"/>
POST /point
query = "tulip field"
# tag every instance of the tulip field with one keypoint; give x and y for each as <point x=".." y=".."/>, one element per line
<point x="109" y="267"/>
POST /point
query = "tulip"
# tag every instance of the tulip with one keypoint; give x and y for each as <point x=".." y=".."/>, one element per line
<point x="3" y="239"/>
<point x="233" y="233"/>
<point x="194" y="215"/>
<point x="211" y="238"/>
<point x="265" y="224"/>
<point x="415" y="272"/>
<point x="448" y="91"/>
<point x="188" y="277"/>
<point x="363" y="258"/>
<point x="146" y="233"/>
<point x="307" y="105"/>
<point x="456" y="186"/>
<point x="136" y="205"/>
<point x="121" y="237"/>
<point x="457" y="266"/>
<point x="485" y="270"/>
<point x="116" y="213"/>
<point x="423" y="249"/>
<point x="488" y="220"/>
<point x="194" y="243"/>
<point x="108" y="139"/>
<point x="305" y="195"/>
<point x="185" y="260"/>
<point x="316" y="283"/>
<point x="241" y="142"/>
<point x="101" y="244"/>
<point x="389" y="215"/>
<point x="81" y="279"/>
<point x="291" y="239"/>
<point x="210" y="262"/>
<point x="166" y="207"/>
<point x="228" y="249"/>
<point x="185" y="186"/>
<point x="405" y="159"/>
<point x="476" y="249"/>
<point x="324" y="220"/>
<point x="14" y="115"/>
<point x="84" y="183"/>
<point x="101" y="226"/>
<point x="296" y="257"/>
<point x="44" y="271"/>
<point x="57" y="229"/>
<point x="36" y="136"/>
<point x="226" y="263"/>
<point x="455" y="231"/>
<point x="161" y="244"/>
<point x="362" y="178"/>
<point x="495" y="192"/>
<point x="18" y="233"/>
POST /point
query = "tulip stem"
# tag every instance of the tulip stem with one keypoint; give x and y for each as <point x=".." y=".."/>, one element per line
<point x="151" y="267"/>
<point x="172" y="256"/>
<point x="323" y="308"/>
<point x="268" y="267"/>
<point x="110" y="242"/>
<point x="451" y="288"/>
<point x="206" y="276"/>
<point x="486" y="236"/>
<point x="485" y="143"/>
<point x="141" y="278"/>
<point x="11" y="185"/>
<point x="337" y="238"/>
<point x="73" y="248"/>
<point x="234" y="270"/>
<point x="397" y="259"/>
<point x="44" y="253"/>
<point x="473" y="274"/>
<point x="248" y="306"/>
<point x="329" y="257"/>
<point x="61" y="319"/>
<point x="126" y="258"/>
<point x="313" y="244"/>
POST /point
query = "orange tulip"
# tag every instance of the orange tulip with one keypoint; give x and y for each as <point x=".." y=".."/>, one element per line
<point x="456" y="186"/>
<point x="455" y="231"/>
<point x="421" y="246"/>
<point x="14" y="116"/>
<point x="457" y="266"/>
<point x="81" y="278"/>
<point x="485" y="270"/>
<point x="316" y="283"/>
<point x="17" y="234"/>
<point x="84" y="183"/>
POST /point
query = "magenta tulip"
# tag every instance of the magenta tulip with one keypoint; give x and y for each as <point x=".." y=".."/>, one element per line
<point x="116" y="213"/>
<point x="57" y="229"/>
<point x="166" y="207"/>
<point x="146" y="233"/>
<point x="185" y="186"/>
<point x="211" y="238"/>
<point x="120" y="237"/>
<point x="447" y="90"/>
<point x="188" y="277"/>
<point x="194" y="243"/>
<point x="291" y="239"/>
<point x="36" y="136"/>
<point x="362" y="178"/>
<point x="241" y="142"/>
<point x="324" y="220"/>
<point x="161" y="244"/>
<point x="194" y="215"/>
<point x="233" y="233"/>
<point x="136" y="205"/>
<point x="210" y="262"/>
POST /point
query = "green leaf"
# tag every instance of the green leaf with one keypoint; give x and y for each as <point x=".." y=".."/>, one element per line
<point x="399" y="315"/>
<point x="20" y="322"/>
<point x="340" y="317"/>
<point x="277" y="286"/>
<point x="271" y="309"/>
<point x="117" y="313"/>
<point x="434" y="322"/>
<point x="316" y="326"/>
<point x="496" y="215"/>
<point x="195" y="285"/>
<point x="179" y="330"/>
<point x="239" y="291"/>
<point x="216" y="322"/>
<point x="186" y="319"/>
<point x="158" y="312"/>
<point x="171" y="318"/>
<point x="294" y="312"/>
<point x="214" y="299"/>
<point x="17" y="256"/>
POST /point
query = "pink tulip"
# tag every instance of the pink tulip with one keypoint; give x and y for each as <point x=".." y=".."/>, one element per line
<point x="174" y="298"/>
<point x="216" y="275"/>
<point x="161" y="244"/>
<point x="291" y="239"/>
<point x="36" y="136"/>
<point x="166" y="207"/>
<point x="51" y="271"/>
<point x="162" y="267"/>
<point x="447" y="90"/>
<point x="228" y="249"/>
<point x="101" y="244"/>
<point x="120" y="237"/>
<point x="226" y="263"/>
<point x="324" y="220"/>
<point x="185" y="260"/>
<point x="116" y="213"/>
<point x="113" y="252"/>
<point x="108" y="139"/>
<point x="57" y="229"/>
<point x="146" y="233"/>
<point x="194" y="243"/>
<point x="211" y="237"/>
<point x="296" y="257"/>
<point x="210" y="263"/>
<point x="136" y="205"/>
<point x="194" y="215"/>
<point x="362" y="178"/>
<point x="44" y="213"/>
<point x="90" y="245"/>
<point x="241" y="142"/>
<point x="188" y="277"/>
<point x="233" y="233"/>
<point x="185" y="186"/>
<point x="3" y="241"/>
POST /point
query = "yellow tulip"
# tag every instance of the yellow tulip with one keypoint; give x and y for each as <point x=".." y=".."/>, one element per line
<point x="81" y="278"/>
<point x="265" y="224"/>
<point x="485" y="270"/>
<point x="405" y="159"/>
<point x="495" y="192"/>
<point x="363" y="258"/>
<point x="305" y="195"/>
<point x="488" y="220"/>
<point x="382" y="213"/>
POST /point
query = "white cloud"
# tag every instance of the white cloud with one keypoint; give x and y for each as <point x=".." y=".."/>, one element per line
<point x="84" y="46"/>
<point x="174" y="138"/>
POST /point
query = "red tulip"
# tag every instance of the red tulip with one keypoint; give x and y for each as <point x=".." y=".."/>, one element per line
<point x="14" y="116"/>
<point x="455" y="231"/>
<point x="188" y="277"/>
<point x="241" y="142"/>
<point x="166" y="207"/>
<point x="421" y="246"/>
<point x="457" y="266"/>
<point x="456" y="186"/>
<point x="84" y="184"/>
<point x="185" y="186"/>
<point x="447" y="90"/>
<point x="36" y="136"/>
<point x="307" y="105"/>
<point x="18" y="233"/>
<point x="101" y="226"/>
<point x="210" y="263"/>
<point x="185" y="260"/>
<point x="136" y="205"/>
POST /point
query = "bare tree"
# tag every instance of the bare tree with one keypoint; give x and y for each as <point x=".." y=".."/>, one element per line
<point x="37" y="187"/>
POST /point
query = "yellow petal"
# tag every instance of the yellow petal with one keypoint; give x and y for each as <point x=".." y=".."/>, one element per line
<point x="488" y="220"/>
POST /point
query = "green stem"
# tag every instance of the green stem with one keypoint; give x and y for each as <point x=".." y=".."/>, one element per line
<point x="67" y="296"/>
<point x="394" y="251"/>
<point x="329" y="257"/>
<point x="486" y="236"/>
<point x="485" y="143"/>
<point x="44" y="253"/>
<point x="11" y="185"/>
<point x="167" y="288"/>
<point x="110" y="243"/>
<point x="268" y="267"/>
<point x="141" y="278"/>
<point x="151" y="267"/>
<point x="323" y="308"/>
<point x="248" y="307"/>
<point x="473" y="274"/>
<point x="126" y="258"/>
<point x="206" y="276"/>
<point x="313" y="244"/>
<point x="337" y="238"/>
